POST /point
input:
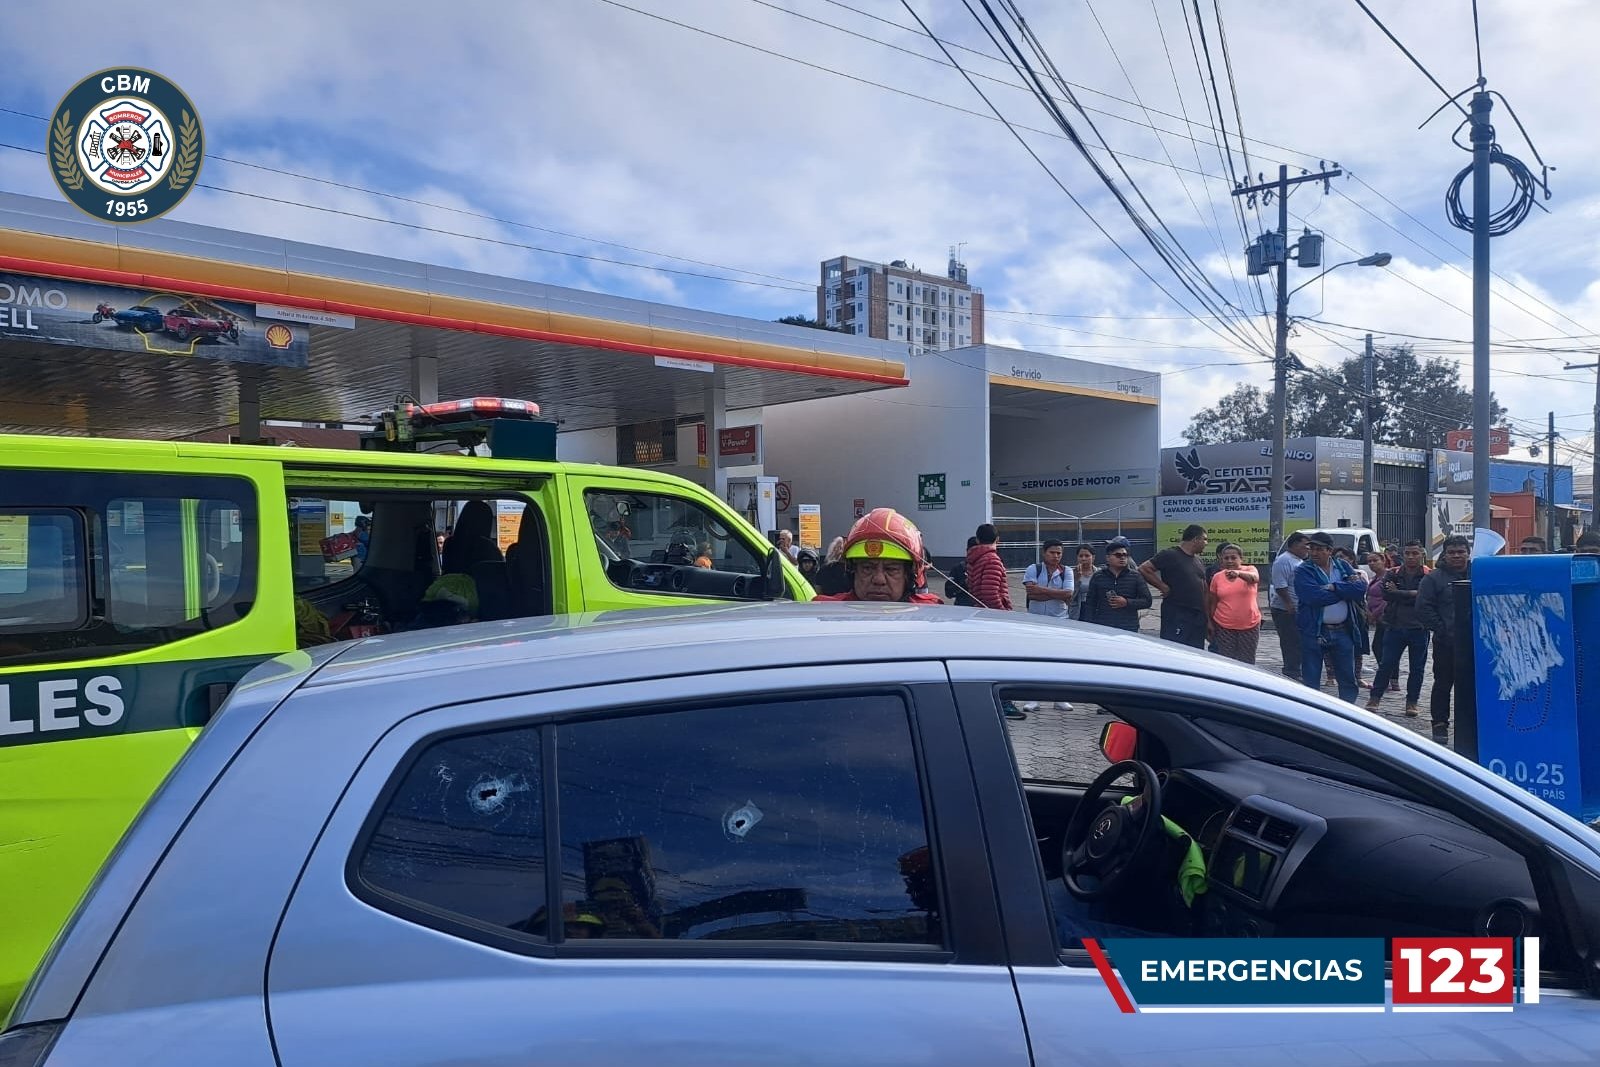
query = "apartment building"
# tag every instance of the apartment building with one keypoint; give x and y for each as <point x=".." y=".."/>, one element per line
<point x="897" y="302"/>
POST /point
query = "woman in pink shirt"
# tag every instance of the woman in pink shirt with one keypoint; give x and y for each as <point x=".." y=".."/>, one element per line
<point x="1234" y="609"/>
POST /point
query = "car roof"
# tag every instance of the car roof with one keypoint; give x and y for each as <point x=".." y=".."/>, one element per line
<point x="631" y="645"/>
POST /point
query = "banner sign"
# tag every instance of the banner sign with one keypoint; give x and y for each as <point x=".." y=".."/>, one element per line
<point x="1242" y="518"/>
<point x="1461" y="440"/>
<point x="811" y="526"/>
<point x="1313" y="974"/>
<point x="1069" y="484"/>
<point x="738" y="446"/>
<point x="1246" y="466"/>
<point x="108" y="317"/>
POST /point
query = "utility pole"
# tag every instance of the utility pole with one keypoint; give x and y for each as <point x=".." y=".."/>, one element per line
<point x="1280" y="360"/>
<point x="1367" y="384"/>
<point x="1482" y="142"/>
<point x="1594" y="446"/>
<point x="1550" y="487"/>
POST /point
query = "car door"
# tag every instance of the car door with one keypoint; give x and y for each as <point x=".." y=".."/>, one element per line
<point x="1071" y="1013"/>
<point x="759" y="868"/>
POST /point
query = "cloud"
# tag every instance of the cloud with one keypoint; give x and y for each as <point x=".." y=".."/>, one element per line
<point x="621" y="127"/>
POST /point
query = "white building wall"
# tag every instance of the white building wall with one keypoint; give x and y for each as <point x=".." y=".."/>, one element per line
<point x="1333" y="506"/>
<point x="600" y="446"/>
<point x="873" y="446"/>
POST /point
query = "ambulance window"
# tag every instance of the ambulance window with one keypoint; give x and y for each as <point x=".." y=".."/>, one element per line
<point x="173" y="562"/>
<point x="43" y="575"/>
<point x="137" y="561"/>
<point x="655" y="528"/>
<point x="328" y="540"/>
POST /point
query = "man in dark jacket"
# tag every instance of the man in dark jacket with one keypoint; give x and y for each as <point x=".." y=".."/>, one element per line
<point x="986" y="574"/>
<point x="955" y="586"/>
<point x="1436" y="609"/>
<point x="1116" y="593"/>
<point x="1402" y="629"/>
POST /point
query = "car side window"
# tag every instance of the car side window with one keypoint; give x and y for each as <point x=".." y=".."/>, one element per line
<point x="654" y="542"/>
<point x="788" y="820"/>
<point x="1259" y="834"/>
<point x="460" y="835"/>
<point x="1055" y="740"/>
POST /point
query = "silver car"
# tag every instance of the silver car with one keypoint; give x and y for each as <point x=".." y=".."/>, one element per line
<point x="792" y="834"/>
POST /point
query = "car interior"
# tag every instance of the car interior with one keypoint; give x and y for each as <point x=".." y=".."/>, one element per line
<point x="1180" y="821"/>
<point x="381" y="581"/>
<point x="657" y="544"/>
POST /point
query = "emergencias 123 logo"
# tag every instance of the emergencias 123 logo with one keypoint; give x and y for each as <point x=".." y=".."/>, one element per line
<point x="125" y="145"/>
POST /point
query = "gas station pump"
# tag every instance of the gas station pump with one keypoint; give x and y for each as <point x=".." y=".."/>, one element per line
<point x="756" y="498"/>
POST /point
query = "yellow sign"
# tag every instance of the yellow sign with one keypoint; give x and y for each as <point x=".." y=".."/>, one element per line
<point x="13" y="540"/>
<point x="508" y="522"/>
<point x="811" y="525"/>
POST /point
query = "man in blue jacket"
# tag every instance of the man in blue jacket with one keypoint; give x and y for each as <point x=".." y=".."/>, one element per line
<point x="1327" y="591"/>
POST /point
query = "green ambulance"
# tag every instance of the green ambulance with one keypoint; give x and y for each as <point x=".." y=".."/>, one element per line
<point x="140" y="580"/>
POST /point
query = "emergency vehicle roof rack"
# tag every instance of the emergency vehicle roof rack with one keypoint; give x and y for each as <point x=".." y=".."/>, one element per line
<point x="512" y="429"/>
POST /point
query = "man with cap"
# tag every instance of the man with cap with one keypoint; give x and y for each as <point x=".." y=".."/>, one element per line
<point x="1326" y="591"/>
<point x="883" y="559"/>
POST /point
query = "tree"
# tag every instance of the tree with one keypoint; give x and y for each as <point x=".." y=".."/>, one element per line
<point x="801" y="320"/>
<point x="1414" y="402"/>
<point x="1243" y="415"/>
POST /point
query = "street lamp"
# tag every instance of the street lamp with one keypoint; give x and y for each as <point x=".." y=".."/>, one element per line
<point x="1280" y="387"/>
<point x="1377" y="259"/>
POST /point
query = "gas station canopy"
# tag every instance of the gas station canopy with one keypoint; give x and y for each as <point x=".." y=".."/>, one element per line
<point x="363" y="329"/>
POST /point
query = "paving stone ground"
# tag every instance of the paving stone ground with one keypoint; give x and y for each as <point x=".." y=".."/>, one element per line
<point x="1060" y="743"/>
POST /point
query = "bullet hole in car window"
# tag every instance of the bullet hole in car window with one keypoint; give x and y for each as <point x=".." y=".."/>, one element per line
<point x="464" y="832"/>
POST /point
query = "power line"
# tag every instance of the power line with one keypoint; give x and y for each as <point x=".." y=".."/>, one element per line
<point x="1075" y="201"/>
<point x="1445" y="262"/>
<point x="1080" y="88"/>
<point x="1223" y="156"/>
<point x="1415" y="61"/>
<point x="1127" y="77"/>
<point x="1194" y="144"/>
<point x="1175" y="257"/>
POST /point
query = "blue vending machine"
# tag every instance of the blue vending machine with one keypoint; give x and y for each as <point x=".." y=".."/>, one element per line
<point x="1536" y="647"/>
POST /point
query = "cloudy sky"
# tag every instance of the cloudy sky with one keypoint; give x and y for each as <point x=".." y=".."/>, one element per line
<point x="710" y="153"/>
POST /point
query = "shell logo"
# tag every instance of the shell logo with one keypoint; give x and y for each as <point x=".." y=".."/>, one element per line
<point x="279" y="335"/>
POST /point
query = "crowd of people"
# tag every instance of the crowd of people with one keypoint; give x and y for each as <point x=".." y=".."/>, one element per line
<point x="1331" y="611"/>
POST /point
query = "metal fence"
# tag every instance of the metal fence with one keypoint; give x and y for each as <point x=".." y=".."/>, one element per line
<point x="1048" y="524"/>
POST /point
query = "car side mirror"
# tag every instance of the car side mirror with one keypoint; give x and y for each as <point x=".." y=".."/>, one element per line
<point x="1118" y="742"/>
<point x="772" y="584"/>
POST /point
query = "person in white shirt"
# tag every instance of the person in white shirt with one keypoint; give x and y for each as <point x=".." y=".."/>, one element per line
<point x="1049" y="584"/>
<point x="1281" y="602"/>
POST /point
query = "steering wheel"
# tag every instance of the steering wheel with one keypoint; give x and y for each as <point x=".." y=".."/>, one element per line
<point x="1108" y="842"/>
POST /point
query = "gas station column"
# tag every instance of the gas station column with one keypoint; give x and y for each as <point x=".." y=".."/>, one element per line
<point x="716" y="407"/>
<point x="424" y="366"/>
<point x="249" y="404"/>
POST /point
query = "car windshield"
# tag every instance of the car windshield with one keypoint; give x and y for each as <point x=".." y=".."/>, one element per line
<point x="1284" y="753"/>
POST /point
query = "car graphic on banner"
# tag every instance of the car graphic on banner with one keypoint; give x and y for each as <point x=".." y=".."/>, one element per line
<point x="91" y="315"/>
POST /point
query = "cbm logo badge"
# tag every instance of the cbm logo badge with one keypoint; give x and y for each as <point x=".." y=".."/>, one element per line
<point x="125" y="145"/>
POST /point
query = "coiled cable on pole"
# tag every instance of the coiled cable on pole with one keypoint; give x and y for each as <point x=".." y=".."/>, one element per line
<point x="1507" y="218"/>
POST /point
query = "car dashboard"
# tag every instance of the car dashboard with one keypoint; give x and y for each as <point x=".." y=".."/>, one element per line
<point x="1290" y="853"/>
